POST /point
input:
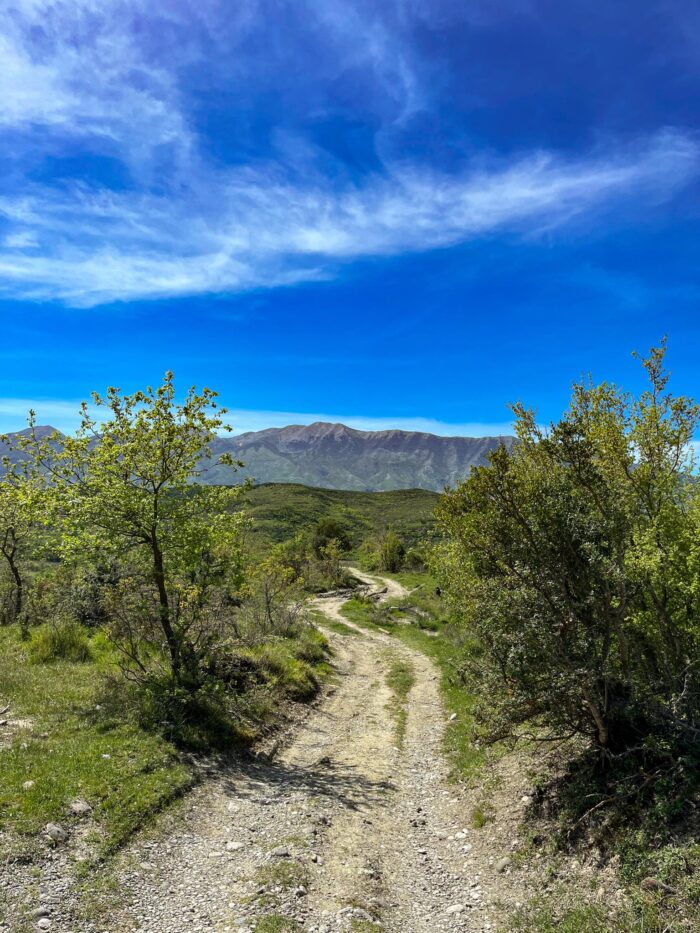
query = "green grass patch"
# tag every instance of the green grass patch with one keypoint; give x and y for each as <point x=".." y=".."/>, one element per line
<point x="338" y="627"/>
<point x="362" y="612"/>
<point x="642" y="913"/>
<point x="276" y="923"/>
<point x="480" y="815"/>
<point x="66" y="641"/>
<point x="293" y="666"/>
<point x="71" y="751"/>
<point x="586" y="919"/>
<point x="416" y="580"/>
<point x="282" y="873"/>
<point x="400" y="677"/>
<point x="320" y="618"/>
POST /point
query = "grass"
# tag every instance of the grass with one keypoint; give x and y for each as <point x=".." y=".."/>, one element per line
<point x="281" y="510"/>
<point x="276" y="923"/>
<point x="480" y="815"/>
<point x="123" y="772"/>
<point x="82" y="744"/>
<point x="320" y="618"/>
<point x="294" y="667"/>
<point x="647" y="914"/>
<point x="65" y="642"/>
<point x="282" y="873"/>
<point x="400" y="678"/>
<point x="584" y="919"/>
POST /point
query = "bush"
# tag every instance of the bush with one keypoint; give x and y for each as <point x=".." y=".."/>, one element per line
<point x="65" y="641"/>
<point x="382" y="553"/>
<point x="573" y="561"/>
<point x="327" y="530"/>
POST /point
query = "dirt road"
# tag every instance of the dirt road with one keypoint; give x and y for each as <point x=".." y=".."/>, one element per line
<point x="343" y="830"/>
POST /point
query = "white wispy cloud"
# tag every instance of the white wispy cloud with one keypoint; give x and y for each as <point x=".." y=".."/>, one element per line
<point x="101" y="75"/>
<point x="251" y="228"/>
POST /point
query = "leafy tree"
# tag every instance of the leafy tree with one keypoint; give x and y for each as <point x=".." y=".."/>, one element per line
<point x="329" y="563"/>
<point x="572" y="559"/>
<point x="327" y="530"/>
<point x="123" y="491"/>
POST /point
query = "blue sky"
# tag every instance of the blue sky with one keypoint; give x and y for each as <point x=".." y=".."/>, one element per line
<point x="400" y="213"/>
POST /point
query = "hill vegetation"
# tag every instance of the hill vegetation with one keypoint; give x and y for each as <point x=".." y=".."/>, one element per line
<point x="279" y="511"/>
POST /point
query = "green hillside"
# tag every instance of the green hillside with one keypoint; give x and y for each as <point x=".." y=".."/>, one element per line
<point x="280" y="510"/>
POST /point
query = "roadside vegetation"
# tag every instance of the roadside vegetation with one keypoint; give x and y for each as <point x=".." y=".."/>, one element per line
<point x="136" y="628"/>
<point x="572" y="563"/>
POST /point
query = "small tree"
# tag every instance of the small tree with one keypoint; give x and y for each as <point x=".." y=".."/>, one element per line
<point x="329" y="562"/>
<point x="327" y="530"/>
<point x="391" y="552"/>
<point x="123" y="490"/>
<point x="273" y="602"/>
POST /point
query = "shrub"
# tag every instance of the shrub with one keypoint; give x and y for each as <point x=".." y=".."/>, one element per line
<point x="311" y="646"/>
<point x="65" y="641"/>
<point x="391" y="552"/>
<point x="327" y="530"/>
<point x="572" y="559"/>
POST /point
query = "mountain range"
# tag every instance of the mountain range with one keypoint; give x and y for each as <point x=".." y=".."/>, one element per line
<point x="334" y="456"/>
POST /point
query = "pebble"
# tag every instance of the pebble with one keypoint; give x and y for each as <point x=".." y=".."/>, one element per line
<point x="56" y="832"/>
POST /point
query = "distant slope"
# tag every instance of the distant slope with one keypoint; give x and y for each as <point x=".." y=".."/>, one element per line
<point x="333" y="456"/>
<point x="281" y="510"/>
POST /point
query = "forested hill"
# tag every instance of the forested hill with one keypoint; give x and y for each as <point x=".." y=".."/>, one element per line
<point x="333" y="456"/>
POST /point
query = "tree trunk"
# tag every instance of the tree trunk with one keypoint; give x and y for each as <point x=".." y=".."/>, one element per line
<point x="164" y="607"/>
<point x="19" y="590"/>
<point x="9" y="550"/>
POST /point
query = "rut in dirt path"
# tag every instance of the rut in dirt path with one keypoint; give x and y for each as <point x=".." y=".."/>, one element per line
<point x="342" y="830"/>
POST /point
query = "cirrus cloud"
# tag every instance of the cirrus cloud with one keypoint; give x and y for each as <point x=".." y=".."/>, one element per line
<point x="89" y="81"/>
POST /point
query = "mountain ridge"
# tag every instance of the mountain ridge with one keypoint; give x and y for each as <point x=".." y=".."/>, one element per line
<point x="334" y="456"/>
<point x="331" y="455"/>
